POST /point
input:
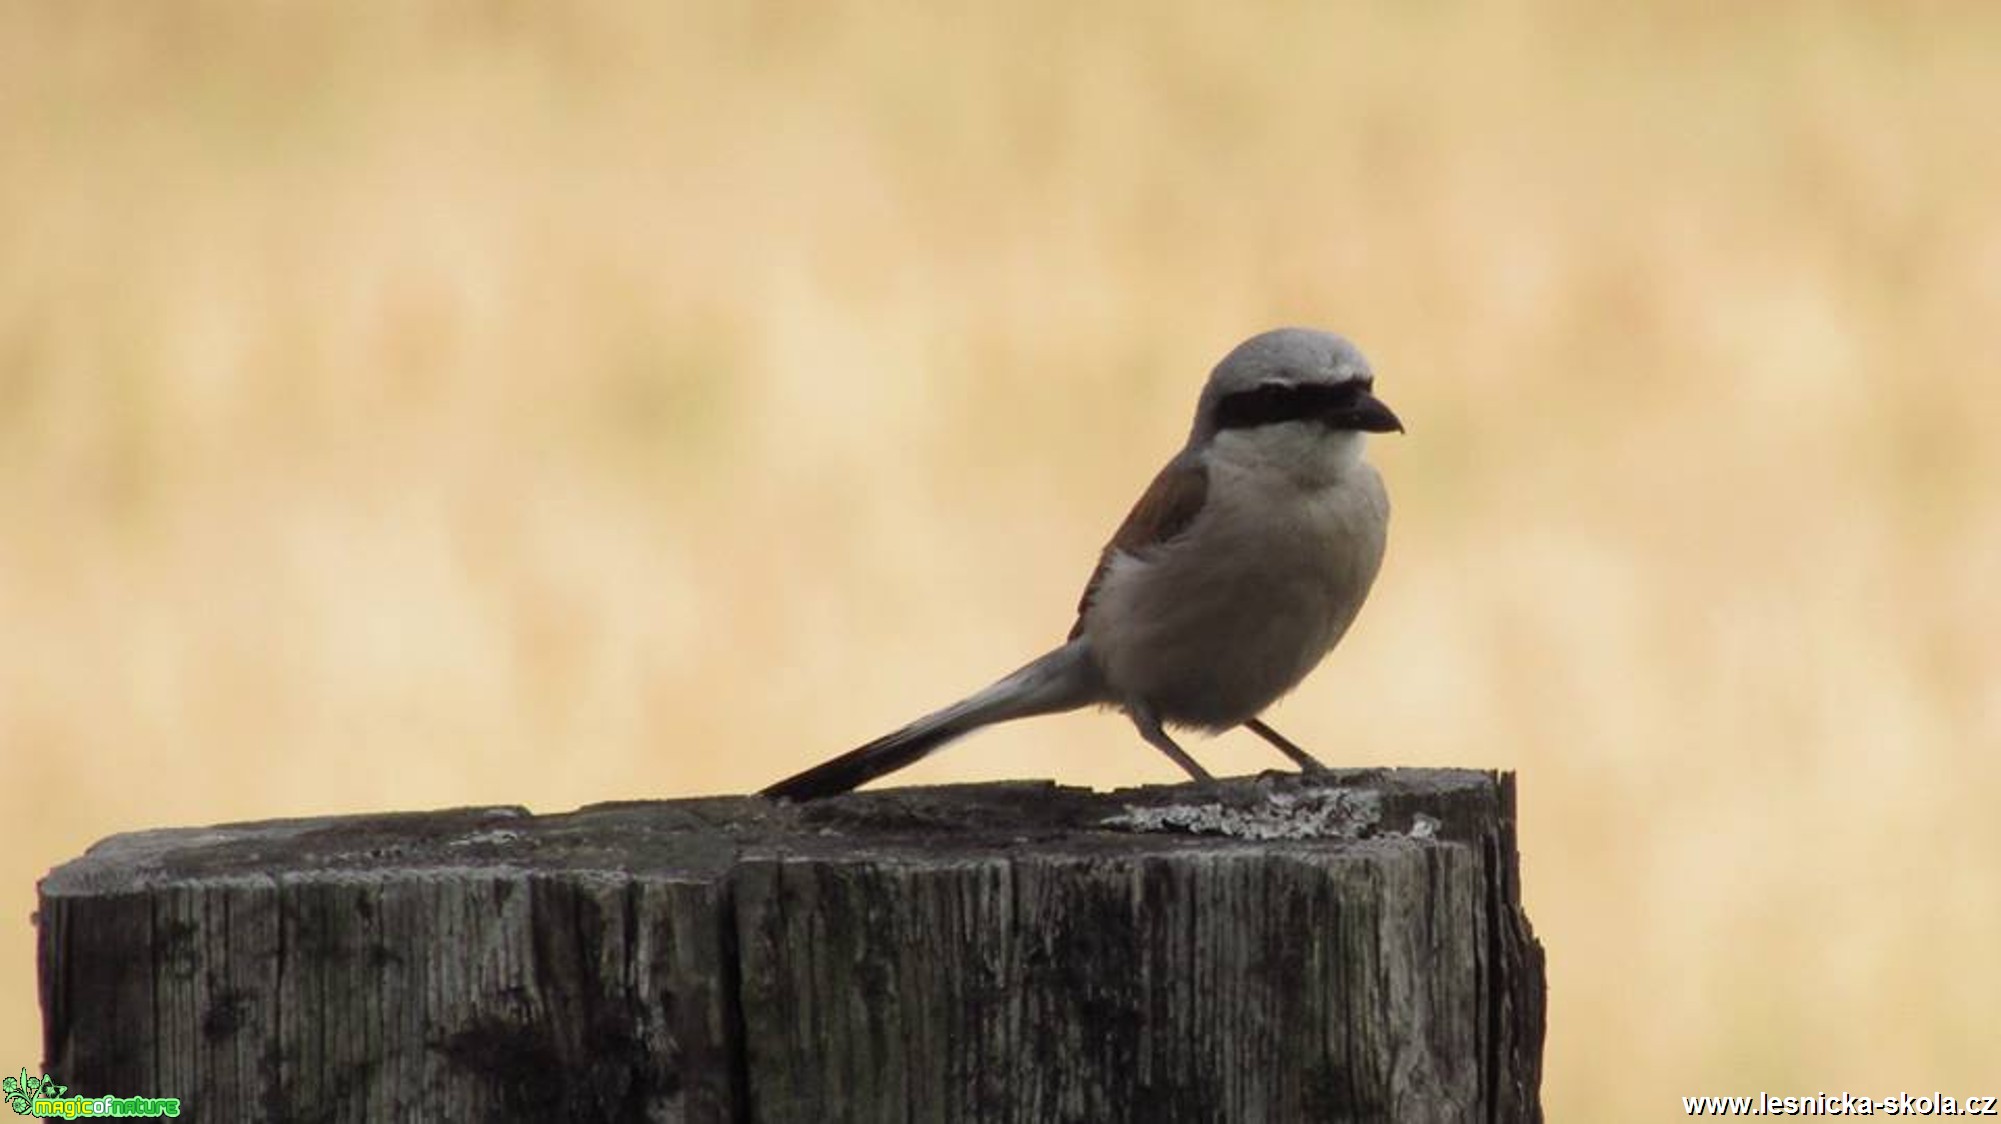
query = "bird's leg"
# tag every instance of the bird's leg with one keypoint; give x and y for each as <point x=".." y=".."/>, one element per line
<point x="1150" y="729"/>
<point x="1306" y="761"/>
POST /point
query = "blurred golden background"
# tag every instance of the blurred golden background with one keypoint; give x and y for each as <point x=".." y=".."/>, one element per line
<point x="419" y="405"/>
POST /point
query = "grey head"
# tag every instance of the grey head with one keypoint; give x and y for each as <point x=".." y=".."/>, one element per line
<point x="1292" y="375"/>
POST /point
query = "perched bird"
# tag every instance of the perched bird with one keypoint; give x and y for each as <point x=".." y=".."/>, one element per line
<point x="1239" y="568"/>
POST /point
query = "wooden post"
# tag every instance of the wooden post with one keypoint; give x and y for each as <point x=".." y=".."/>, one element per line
<point x="1342" y="948"/>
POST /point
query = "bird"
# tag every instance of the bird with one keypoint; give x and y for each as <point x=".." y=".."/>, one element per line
<point x="1241" y="566"/>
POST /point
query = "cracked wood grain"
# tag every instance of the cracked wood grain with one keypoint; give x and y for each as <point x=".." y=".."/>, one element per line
<point x="1343" y="948"/>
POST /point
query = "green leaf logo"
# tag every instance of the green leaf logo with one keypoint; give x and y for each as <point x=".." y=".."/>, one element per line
<point x="22" y="1092"/>
<point x="17" y="1093"/>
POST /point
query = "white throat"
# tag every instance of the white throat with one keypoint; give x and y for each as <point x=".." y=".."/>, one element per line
<point x="1309" y="452"/>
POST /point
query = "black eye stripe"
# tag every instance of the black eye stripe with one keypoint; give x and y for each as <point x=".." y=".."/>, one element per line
<point x="1274" y="402"/>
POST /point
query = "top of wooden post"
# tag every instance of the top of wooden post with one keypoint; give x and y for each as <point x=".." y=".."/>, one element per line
<point x="702" y="837"/>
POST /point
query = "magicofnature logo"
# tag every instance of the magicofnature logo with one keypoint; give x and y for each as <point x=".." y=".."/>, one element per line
<point x="41" y="1096"/>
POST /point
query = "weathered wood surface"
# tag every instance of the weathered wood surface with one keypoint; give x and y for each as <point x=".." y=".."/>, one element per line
<point x="1347" y="948"/>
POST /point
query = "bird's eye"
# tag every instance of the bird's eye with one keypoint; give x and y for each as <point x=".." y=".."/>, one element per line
<point x="1275" y="402"/>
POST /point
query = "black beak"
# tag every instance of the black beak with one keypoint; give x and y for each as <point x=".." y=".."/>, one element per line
<point x="1367" y="414"/>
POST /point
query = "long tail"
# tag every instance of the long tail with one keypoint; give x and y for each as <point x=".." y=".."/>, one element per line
<point x="1065" y="679"/>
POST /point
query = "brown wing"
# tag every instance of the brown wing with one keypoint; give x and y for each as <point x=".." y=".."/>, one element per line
<point x="1170" y="504"/>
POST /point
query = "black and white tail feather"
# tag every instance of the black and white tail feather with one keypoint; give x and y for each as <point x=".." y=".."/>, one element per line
<point x="1065" y="679"/>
